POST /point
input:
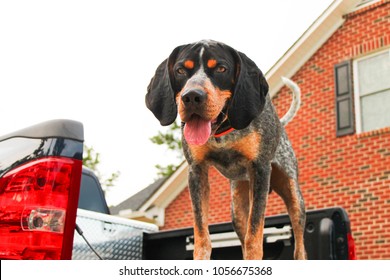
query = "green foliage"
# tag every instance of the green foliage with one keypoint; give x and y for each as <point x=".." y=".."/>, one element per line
<point x="91" y="159"/>
<point x="165" y="171"/>
<point x="171" y="139"/>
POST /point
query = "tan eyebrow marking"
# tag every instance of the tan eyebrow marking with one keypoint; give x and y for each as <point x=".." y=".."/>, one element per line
<point x="211" y="63"/>
<point x="189" y="64"/>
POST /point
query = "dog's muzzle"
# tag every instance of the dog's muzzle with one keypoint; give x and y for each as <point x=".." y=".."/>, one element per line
<point x="193" y="100"/>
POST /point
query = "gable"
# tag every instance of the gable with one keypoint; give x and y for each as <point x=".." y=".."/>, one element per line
<point x="310" y="41"/>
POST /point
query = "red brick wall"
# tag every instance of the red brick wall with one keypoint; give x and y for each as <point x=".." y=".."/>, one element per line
<point x="179" y="213"/>
<point x="351" y="171"/>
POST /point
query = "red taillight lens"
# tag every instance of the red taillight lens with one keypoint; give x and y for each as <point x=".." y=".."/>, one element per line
<point x="35" y="209"/>
<point x="351" y="247"/>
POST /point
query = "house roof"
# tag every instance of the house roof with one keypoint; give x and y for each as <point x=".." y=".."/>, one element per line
<point x="310" y="41"/>
<point x="169" y="190"/>
<point x="136" y="201"/>
<point x="294" y="58"/>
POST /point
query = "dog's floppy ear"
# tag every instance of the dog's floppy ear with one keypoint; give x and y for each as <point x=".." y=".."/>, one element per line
<point x="160" y="98"/>
<point x="249" y="93"/>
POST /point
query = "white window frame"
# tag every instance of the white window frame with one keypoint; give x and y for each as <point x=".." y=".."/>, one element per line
<point x="358" y="116"/>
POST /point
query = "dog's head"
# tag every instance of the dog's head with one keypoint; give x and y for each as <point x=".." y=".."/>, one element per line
<point x="207" y="83"/>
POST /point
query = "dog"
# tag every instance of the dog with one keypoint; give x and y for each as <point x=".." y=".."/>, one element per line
<point x="228" y="121"/>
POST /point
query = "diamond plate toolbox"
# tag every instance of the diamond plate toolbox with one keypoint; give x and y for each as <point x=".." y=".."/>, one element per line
<point x="114" y="238"/>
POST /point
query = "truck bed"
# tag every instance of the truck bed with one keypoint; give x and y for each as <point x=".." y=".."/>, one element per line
<point x="326" y="237"/>
<point x="114" y="238"/>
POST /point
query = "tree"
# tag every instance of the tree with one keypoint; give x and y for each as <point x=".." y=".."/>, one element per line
<point x="91" y="159"/>
<point x="171" y="139"/>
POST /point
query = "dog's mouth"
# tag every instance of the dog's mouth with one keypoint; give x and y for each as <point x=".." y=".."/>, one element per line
<point x="198" y="130"/>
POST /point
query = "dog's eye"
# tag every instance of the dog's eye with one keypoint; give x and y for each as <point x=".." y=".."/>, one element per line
<point x="220" y="69"/>
<point x="180" y="71"/>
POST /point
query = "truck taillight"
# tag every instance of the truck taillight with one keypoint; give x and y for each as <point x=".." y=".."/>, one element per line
<point x="351" y="247"/>
<point x="38" y="204"/>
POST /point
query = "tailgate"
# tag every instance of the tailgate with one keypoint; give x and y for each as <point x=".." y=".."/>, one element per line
<point x="326" y="237"/>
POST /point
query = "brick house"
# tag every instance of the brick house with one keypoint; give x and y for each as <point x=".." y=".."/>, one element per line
<point x="341" y="135"/>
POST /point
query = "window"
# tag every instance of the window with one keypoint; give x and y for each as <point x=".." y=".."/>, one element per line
<point x="91" y="195"/>
<point x="372" y="91"/>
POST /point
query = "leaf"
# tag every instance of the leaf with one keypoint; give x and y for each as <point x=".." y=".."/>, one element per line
<point x="91" y="159"/>
<point x="171" y="139"/>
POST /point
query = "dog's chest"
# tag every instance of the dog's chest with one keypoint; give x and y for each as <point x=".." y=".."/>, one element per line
<point x="231" y="157"/>
<point x="231" y="163"/>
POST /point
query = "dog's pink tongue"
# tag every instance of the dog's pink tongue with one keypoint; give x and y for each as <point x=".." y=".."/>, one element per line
<point x="197" y="131"/>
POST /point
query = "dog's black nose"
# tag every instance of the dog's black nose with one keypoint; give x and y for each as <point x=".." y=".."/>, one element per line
<point x="194" y="97"/>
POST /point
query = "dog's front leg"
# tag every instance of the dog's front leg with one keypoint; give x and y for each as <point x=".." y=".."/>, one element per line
<point x="199" y="191"/>
<point x="258" y="194"/>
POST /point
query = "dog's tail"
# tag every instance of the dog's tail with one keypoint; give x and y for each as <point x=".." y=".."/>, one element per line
<point x="296" y="102"/>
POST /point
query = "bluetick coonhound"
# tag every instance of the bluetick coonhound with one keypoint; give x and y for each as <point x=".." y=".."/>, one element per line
<point x="228" y="121"/>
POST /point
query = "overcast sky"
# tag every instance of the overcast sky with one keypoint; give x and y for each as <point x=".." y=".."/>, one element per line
<point x="91" y="61"/>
